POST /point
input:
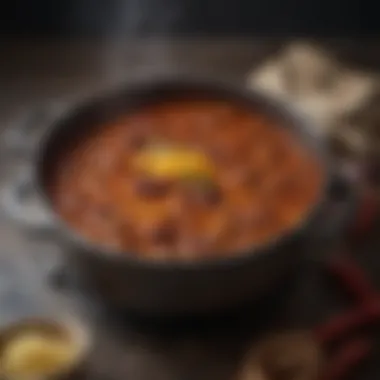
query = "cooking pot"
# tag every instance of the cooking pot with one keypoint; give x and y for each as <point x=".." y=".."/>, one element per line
<point x="175" y="288"/>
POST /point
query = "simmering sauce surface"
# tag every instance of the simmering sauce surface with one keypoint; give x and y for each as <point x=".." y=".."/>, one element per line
<point x="247" y="181"/>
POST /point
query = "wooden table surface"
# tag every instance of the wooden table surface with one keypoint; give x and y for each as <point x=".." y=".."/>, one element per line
<point x="34" y="74"/>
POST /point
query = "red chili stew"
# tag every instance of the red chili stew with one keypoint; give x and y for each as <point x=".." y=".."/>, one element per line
<point x="263" y="183"/>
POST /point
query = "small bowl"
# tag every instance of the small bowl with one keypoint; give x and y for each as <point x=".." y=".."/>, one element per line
<point x="68" y="329"/>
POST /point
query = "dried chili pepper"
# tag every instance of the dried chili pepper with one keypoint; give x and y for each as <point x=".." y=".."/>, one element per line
<point x="365" y="216"/>
<point x="352" y="278"/>
<point x="366" y="311"/>
<point x="346" y="359"/>
<point x="339" y="325"/>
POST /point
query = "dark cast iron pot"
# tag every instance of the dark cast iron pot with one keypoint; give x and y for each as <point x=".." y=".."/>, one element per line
<point x="171" y="288"/>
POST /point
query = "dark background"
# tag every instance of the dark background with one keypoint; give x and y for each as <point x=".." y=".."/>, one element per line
<point x="178" y="17"/>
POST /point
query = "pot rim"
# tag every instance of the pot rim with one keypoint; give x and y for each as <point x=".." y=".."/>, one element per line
<point x="143" y="87"/>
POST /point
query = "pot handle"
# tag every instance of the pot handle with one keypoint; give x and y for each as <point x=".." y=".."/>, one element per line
<point x="21" y="203"/>
<point x="341" y="205"/>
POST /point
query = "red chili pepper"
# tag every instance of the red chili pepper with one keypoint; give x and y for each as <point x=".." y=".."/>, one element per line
<point x="341" y="324"/>
<point x="346" y="359"/>
<point x="366" y="215"/>
<point x="352" y="278"/>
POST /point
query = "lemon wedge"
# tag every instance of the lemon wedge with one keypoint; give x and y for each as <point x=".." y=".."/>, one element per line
<point x="32" y="354"/>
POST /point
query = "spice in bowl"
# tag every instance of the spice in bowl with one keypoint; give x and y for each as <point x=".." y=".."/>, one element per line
<point x="291" y="356"/>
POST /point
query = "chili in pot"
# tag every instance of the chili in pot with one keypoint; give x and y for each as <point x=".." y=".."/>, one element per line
<point x="186" y="179"/>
